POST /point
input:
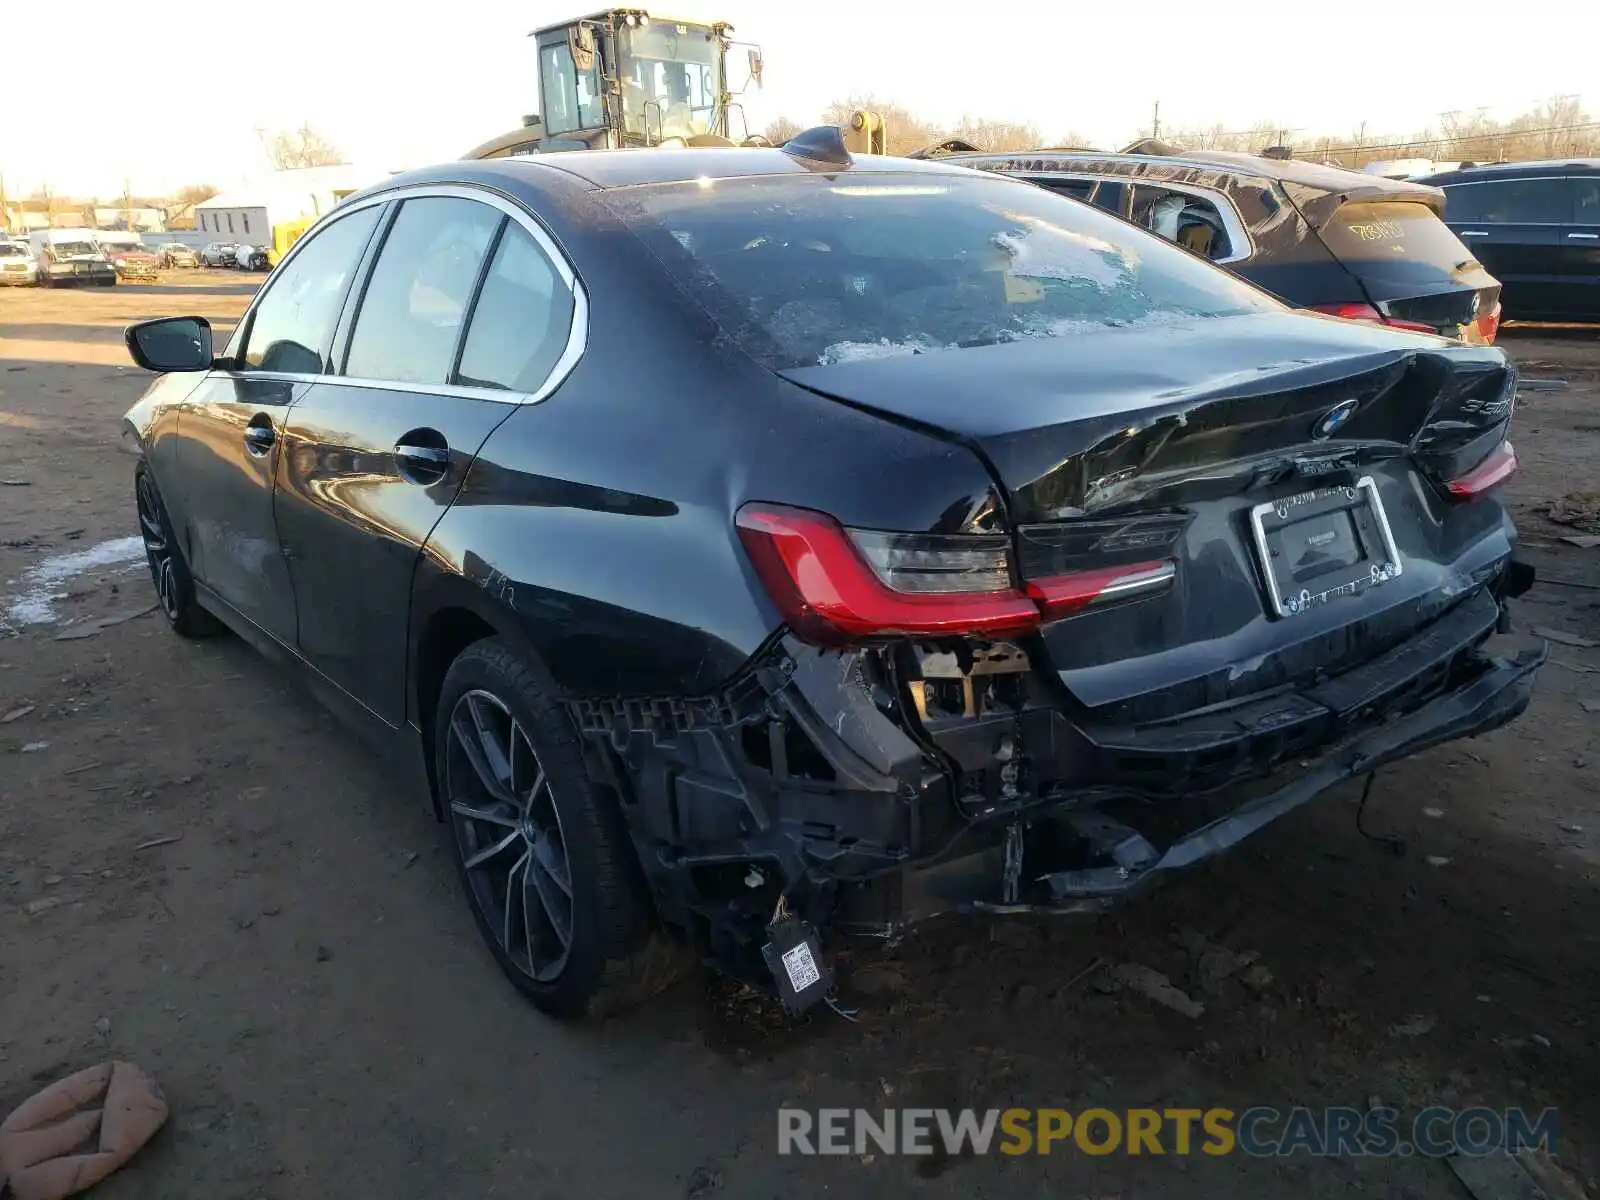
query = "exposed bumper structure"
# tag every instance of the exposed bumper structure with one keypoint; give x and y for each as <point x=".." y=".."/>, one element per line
<point x="812" y="787"/>
<point x="1126" y="859"/>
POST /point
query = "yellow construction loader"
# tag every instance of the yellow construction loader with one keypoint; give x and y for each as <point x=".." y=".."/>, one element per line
<point x="625" y="77"/>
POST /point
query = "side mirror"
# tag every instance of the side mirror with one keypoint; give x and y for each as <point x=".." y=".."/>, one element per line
<point x="756" y="66"/>
<point x="170" y="344"/>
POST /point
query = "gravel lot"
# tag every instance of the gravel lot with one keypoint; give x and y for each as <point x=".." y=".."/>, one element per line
<point x="293" y="964"/>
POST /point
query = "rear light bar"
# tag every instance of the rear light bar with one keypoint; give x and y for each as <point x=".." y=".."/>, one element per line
<point x="1499" y="466"/>
<point x="1371" y="315"/>
<point x="835" y="586"/>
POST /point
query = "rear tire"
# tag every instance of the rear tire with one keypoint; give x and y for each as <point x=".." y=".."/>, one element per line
<point x="168" y="571"/>
<point x="541" y="851"/>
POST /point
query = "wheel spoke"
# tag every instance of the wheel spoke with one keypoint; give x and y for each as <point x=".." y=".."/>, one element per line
<point x="154" y="538"/>
<point x="497" y="757"/>
<point x="548" y="857"/>
<point x="555" y="903"/>
<point x="511" y="888"/>
<point x="488" y="815"/>
<point x="488" y="852"/>
<point x="465" y="732"/>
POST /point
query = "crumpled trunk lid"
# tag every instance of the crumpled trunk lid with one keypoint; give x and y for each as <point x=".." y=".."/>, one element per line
<point x="1290" y="467"/>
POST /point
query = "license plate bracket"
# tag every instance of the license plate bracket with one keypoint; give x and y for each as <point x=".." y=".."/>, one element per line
<point x="1317" y="546"/>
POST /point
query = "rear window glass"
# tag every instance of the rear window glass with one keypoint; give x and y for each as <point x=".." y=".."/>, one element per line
<point x="820" y="269"/>
<point x="1395" y="240"/>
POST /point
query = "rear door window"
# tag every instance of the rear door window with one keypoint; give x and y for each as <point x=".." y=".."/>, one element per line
<point x="816" y="269"/>
<point x="293" y="322"/>
<point x="522" y="320"/>
<point x="1524" y="202"/>
<point x="416" y="299"/>
<point x="1194" y="222"/>
<point x="1585" y="199"/>
<point x="1395" y="240"/>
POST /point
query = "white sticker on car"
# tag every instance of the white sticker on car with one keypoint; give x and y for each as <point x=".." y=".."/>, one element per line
<point x="801" y="967"/>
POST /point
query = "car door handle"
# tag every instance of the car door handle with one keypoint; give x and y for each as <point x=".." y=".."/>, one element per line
<point x="422" y="456"/>
<point x="1587" y="236"/>
<point x="258" y="439"/>
<point x="1474" y="233"/>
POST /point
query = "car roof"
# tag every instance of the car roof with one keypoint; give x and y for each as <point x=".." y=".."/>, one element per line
<point x="1308" y="174"/>
<point x="1532" y="169"/>
<point x="630" y="168"/>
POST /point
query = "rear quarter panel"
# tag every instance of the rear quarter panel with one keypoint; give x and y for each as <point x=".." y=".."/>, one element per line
<point x="598" y="525"/>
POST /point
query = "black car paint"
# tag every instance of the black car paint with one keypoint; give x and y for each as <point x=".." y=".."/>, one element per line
<point x="595" y="531"/>
<point x="1550" y="270"/>
<point x="1284" y="205"/>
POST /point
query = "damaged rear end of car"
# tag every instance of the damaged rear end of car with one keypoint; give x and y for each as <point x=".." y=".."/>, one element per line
<point x="1230" y="557"/>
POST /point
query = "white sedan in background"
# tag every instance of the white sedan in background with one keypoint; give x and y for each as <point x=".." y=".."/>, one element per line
<point x="17" y="264"/>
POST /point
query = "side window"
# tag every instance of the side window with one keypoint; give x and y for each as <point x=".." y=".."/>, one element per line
<point x="1464" y="202"/>
<point x="571" y="96"/>
<point x="295" y="318"/>
<point x="1078" y="189"/>
<point x="1586" y="199"/>
<point x="1531" y="201"/>
<point x="416" y="299"/>
<point x="522" y="320"/>
<point x="1191" y="221"/>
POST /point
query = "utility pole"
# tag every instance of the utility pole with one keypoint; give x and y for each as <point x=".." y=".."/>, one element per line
<point x="1155" y="121"/>
<point x="127" y="205"/>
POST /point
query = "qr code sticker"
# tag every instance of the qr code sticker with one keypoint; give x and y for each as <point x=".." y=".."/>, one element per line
<point x="802" y="968"/>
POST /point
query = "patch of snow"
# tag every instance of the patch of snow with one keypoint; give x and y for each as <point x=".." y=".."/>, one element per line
<point x="1067" y="256"/>
<point x="41" y="583"/>
<point x="848" y="352"/>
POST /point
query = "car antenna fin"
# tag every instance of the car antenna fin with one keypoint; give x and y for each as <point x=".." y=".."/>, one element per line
<point x="822" y="145"/>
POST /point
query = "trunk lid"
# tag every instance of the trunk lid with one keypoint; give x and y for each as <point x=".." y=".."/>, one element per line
<point x="1175" y="443"/>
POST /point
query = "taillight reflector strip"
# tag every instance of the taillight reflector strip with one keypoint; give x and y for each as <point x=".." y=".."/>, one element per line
<point x="1372" y="316"/>
<point x="829" y="595"/>
<point x="1494" y="470"/>
<point x="1063" y="595"/>
<point x="829" y="583"/>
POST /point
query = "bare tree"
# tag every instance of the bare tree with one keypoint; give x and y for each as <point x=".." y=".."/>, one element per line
<point x="194" y="193"/>
<point x="780" y="130"/>
<point x="992" y="135"/>
<point x="303" y="147"/>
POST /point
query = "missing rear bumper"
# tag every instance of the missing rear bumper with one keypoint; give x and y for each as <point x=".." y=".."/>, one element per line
<point x="1121" y="859"/>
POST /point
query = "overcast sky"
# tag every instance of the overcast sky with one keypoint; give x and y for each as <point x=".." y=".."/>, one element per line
<point x="398" y="85"/>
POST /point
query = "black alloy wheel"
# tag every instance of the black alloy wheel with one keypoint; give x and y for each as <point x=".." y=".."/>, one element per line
<point x="513" y="853"/>
<point x="542" y="850"/>
<point x="170" y="574"/>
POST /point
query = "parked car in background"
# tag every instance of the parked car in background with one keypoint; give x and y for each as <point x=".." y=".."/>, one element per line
<point x="763" y="543"/>
<point x="68" y="256"/>
<point x="176" y="254"/>
<point x="248" y="257"/>
<point x="1347" y="243"/>
<point x="18" y="266"/>
<point x="217" y="254"/>
<point x="132" y="261"/>
<point x="1536" y="225"/>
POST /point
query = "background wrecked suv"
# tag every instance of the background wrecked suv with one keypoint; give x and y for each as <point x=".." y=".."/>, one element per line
<point x="755" y="544"/>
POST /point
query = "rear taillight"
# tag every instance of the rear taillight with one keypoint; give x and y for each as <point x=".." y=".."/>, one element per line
<point x="835" y="585"/>
<point x="1372" y="316"/>
<point x="1500" y="466"/>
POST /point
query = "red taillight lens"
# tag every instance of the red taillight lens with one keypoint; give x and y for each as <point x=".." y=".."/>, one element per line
<point x="1369" y="314"/>
<point x="830" y="594"/>
<point x="1500" y="466"/>
<point x="834" y="586"/>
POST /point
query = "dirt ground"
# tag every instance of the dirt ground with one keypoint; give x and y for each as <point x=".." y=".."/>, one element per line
<point x="200" y="872"/>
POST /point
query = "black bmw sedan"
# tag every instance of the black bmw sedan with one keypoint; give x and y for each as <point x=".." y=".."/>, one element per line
<point x="744" y="549"/>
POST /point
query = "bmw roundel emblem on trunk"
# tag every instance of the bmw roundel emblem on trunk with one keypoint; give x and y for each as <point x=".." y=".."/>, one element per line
<point x="1334" y="419"/>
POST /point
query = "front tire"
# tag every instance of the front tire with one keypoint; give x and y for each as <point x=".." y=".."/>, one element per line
<point x="541" y="850"/>
<point x="168" y="571"/>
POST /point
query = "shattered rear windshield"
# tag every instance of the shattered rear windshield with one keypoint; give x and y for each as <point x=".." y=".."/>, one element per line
<point x="819" y="269"/>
